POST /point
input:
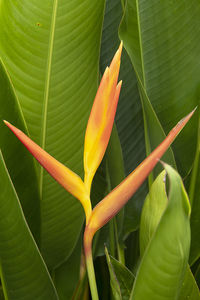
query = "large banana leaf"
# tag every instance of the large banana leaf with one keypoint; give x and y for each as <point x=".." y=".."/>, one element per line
<point x="164" y="262"/>
<point x="51" y="50"/>
<point x="18" y="160"/>
<point x="22" y="270"/>
<point x="162" y="39"/>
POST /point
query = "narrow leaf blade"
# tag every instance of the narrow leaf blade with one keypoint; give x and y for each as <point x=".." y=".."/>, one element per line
<point x="120" y="277"/>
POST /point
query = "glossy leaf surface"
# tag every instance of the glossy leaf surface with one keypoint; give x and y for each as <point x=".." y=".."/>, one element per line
<point x="51" y="50"/>
<point x="23" y="272"/>
<point x="164" y="262"/>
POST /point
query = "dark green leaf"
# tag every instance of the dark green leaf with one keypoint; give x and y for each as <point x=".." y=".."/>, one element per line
<point x="161" y="38"/>
<point x="197" y="276"/>
<point x="66" y="276"/>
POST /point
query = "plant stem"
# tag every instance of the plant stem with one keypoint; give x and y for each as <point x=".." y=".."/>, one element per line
<point x="89" y="263"/>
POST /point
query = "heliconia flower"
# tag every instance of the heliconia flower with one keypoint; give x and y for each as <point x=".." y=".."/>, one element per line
<point x="116" y="199"/>
<point x="101" y="119"/>
<point x="64" y="176"/>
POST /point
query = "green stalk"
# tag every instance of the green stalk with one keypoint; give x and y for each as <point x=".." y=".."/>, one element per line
<point x="88" y="236"/>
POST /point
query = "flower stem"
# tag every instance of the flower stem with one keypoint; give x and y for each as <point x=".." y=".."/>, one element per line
<point x="89" y="263"/>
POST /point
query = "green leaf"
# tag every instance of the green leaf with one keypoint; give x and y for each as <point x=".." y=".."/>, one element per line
<point x="164" y="262"/>
<point x="154" y="133"/>
<point x="161" y="38"/>
<point x="197" y="275"/>
<point x="154" y="206"/>
<point x="82" y="290"/>
<point x="195" y="205"/>
<point x="66" y="276"/>
<point x="1" y="294"/>
<point x="51" y="50"/>
<point x="22" y="270"/>
<point x="189" y="288"/>
<point x="15" y="153"/>
<point x="121" y="279"/>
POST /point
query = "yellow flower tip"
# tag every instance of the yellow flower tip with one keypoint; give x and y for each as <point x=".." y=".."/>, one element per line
<point x="121" y="47"/>
<point x="119" y="85"/>
<point x="6" y="122"/>
<point x="115" y="64"/>
<point x="14" y="129"/>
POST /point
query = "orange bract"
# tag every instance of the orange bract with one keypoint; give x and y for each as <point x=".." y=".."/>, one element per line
<point x="101" y="119"/>
<point x="64" y="176"/>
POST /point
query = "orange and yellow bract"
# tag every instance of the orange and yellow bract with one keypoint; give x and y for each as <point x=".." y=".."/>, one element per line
<point x="101" y="119"/>
<point x="63" y="175"/>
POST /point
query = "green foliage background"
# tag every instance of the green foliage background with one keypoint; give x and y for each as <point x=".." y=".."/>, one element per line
<point x="52" y="56"/>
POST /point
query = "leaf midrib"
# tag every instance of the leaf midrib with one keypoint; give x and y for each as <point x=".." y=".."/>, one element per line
<point x="47" y="85"/>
